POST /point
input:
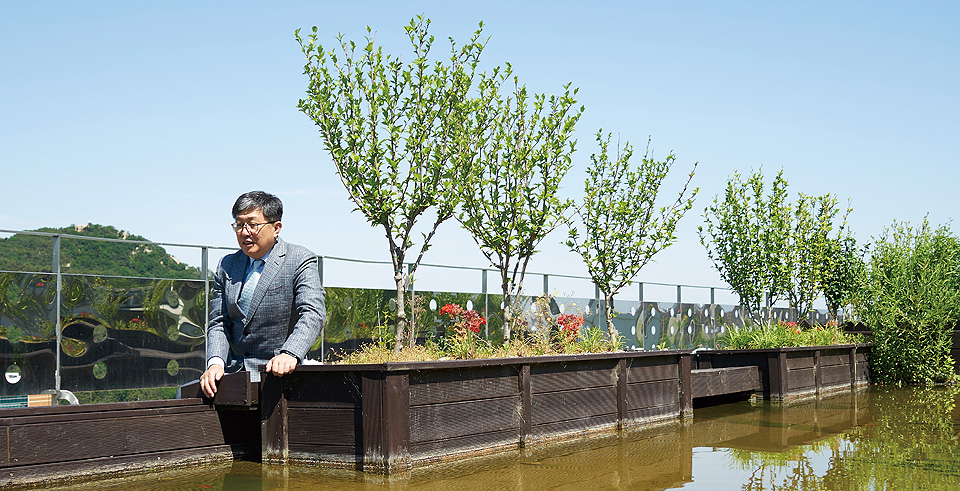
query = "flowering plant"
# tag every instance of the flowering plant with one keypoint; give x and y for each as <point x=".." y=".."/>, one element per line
<point x="790" y="326"/>
<point x="462" y="334"/>
<point x="569" y="325"/>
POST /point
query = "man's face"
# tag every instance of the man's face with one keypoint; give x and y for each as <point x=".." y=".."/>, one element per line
<point x="259" y="236"/>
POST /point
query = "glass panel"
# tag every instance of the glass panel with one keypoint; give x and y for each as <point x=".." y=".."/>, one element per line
<point x="353" y="317"/>
<point x="121" y="333"/>
<point x="28" y="337"/>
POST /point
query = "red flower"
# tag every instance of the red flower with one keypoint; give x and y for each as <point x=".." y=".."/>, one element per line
<point x="451" y="310"/>
<point x="570" y="322"/>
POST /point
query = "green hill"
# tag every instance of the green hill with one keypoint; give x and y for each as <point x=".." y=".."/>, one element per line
<point x="34" y="254"/>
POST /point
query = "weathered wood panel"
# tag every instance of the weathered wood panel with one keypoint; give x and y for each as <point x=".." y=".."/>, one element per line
<point x="834" y="375"/>
<point x="466" y="443"/>
<point x="571" y="376"/>
<point x="338" y="426"/>
<point x="579" y="425"/>
<point x="661" y="393"/>
<point x="801" y="379"/>
<point x="436" y="386"/>
<point x="442" y="421"/>
<point x="719" y="381"/>
<point x="653" y="413"/>
<point x="646" y="372"/>
<point x="799" y="361"/>
<point x="39" y="443"/>
<point x="567" y="405"/>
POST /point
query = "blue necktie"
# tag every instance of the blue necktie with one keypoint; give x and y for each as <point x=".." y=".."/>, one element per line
<point x="249" y="285"/>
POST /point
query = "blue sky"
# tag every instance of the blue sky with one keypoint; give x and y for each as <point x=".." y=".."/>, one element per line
<point x="154" y="116"/>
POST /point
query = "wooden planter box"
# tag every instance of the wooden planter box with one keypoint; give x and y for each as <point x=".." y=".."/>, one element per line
<point x="68" y="443"/>
<point x="787" y="374"/>
<point x="391" y="417"/>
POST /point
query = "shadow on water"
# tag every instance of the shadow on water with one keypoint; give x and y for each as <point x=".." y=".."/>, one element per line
<point x="880" y="438"/>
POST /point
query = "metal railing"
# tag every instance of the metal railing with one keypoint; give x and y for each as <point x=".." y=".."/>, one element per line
<point x="95" y="331"/>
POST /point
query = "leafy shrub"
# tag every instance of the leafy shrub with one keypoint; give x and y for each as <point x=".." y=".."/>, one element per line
<point x="911" y="302"/>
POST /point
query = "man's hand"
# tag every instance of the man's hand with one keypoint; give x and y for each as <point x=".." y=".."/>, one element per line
<point x="281" y="364"/>
<point x="209" y="379"/>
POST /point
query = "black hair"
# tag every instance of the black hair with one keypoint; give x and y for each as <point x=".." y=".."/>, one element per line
<point x="270" y="205"/>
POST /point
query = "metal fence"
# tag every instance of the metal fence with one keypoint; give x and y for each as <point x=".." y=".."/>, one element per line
<point x="65" y="328"/>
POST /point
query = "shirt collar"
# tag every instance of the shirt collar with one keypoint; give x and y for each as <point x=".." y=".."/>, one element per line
<point x="250" y="260"/>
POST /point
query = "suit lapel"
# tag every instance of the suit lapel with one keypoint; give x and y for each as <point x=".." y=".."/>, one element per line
<point x="237" y="271"/>
<point x="270" y="271"/>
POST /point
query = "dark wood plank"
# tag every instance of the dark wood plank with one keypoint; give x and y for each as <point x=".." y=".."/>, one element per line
<point x="396" y="403"/>
<point x="720" y="381"/>
<point x="324" y="426"/>
<point x="835" y="375"/>
<point x="686" y="388"/>
<point x="323" y="388"/>
<point x="482" y="442"/>
<point x="526" y="406"/>
<point x="653" y="413"/>
<point x="834" y="358"/>
<point x="373" y="426"/>
<point x="573" y="404"/>
<point x="450" y="420"/>
<point x="796" y="361"/>
<point x="68" y="472"/>
<point x="621" y="389"/>
<point x="649" y="372"/>
<point x="551" y="377"/>
<point x="579" y="425"/>
<point x="653" y="394"/>
<point x="801" y="379"/>
<point x="273" y="419"/>
<point x="40" y="443"/>
<point x="234" y="389"/>
<point x="435" y="386"/>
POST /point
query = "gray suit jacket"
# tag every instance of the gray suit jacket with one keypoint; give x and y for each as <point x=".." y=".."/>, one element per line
<point x="287" y="310"/>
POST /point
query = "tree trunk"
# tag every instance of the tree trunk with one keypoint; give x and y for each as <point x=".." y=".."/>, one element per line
<point x="401" y="334"/>
<point x="608" y="313"/>
<point x="507" y="306"/>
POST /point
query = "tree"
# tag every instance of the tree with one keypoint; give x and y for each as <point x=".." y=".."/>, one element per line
<point x="843" y="273"/>
<point x="399" y="135"/>
<point x="807" y="247"/>
<point x="624" y="229"/>
<point x="514" y="202"/>
<point x="746" y="240"/>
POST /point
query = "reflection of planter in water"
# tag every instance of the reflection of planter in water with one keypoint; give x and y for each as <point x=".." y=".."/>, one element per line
<point x="795" y="373"/>
<point x="391" y="417"/>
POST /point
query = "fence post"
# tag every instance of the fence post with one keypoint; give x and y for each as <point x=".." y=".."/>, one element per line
<point x="601" y="309"/>
<point x="320" y="272"/>
<point x="413" y="302"/>
<point x="486" y="302"/>
<point x="59" y="333"/>
<point x="204" y="266"/>
<point x="713" y="315"/>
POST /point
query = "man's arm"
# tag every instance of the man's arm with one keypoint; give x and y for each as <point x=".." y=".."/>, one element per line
<point x="217" y="342"/>
<point x="310" y="310"/>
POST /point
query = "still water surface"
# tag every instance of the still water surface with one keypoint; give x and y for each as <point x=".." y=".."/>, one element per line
<point x="880" y="438"/>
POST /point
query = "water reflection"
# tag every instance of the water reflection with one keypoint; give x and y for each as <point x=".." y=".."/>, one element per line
<point x="874" y="439"/>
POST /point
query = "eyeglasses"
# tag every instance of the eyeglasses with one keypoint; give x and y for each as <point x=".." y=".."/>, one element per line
<point x="253" y="228"/>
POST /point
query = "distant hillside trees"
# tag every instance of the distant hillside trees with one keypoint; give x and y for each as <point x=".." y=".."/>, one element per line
<point x="33" y="253"/>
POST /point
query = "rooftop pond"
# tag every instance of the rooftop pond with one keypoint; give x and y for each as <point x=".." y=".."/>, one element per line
<point x="875" y="438"/>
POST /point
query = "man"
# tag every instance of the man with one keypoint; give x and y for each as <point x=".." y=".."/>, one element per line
<point x="267" y="305"/>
